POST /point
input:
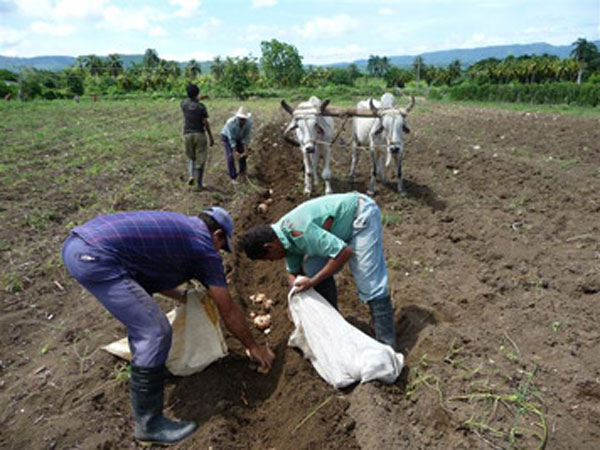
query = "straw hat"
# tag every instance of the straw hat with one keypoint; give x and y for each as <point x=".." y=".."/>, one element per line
<point x="243" y="113"/>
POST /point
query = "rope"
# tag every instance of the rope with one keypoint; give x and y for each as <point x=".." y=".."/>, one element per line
<point x="340" y="131"/>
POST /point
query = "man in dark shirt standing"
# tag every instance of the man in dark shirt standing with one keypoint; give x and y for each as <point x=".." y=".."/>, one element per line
<point x="122" y="259"/>
<point x="195" y="128"/>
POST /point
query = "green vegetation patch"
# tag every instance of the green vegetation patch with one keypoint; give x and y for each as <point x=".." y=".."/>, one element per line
<point x="498" y="399"/>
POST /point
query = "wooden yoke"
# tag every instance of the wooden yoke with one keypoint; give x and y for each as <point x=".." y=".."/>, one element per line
<point x="335" y="111"/>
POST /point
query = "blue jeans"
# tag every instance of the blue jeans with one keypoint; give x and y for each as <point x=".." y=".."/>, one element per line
<point x="368" y="269"/>
<point x="367" y="263"/>
<point x="101" y="273"/>
<point x="233" y="173"/>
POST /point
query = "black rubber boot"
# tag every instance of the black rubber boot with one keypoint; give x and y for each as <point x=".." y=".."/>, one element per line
<point x="382" y="314"/>
<point x="147" y="389"/>
<point x="199" y="176"/>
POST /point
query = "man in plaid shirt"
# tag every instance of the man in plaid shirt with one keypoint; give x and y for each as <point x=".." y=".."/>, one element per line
<point x="124" y="258"/>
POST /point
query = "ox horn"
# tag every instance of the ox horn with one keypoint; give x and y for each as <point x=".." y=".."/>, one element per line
<point x="324" y="105"/>
<point x="372" y="106"/>
<point x="287" y="107"/>
<point x="410" y="106"/>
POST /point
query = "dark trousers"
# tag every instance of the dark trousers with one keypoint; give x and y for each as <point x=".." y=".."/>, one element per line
<point x="101" y="273"/>
<point x="233" y="173"/>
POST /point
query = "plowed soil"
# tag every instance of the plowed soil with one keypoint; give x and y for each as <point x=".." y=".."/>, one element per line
<point x="494" y="264"/>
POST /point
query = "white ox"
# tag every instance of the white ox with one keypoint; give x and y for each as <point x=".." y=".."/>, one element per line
<point x="384" y="131"/>
<point x="314" y="133"/>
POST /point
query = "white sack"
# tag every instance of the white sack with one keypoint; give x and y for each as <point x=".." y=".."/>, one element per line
<point x="340" y="353"/>
<point x="197" y="337"/>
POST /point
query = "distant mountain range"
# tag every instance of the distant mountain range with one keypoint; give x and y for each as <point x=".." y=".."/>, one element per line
<point x="440" y="58"/>
<point x="470" y="56"/>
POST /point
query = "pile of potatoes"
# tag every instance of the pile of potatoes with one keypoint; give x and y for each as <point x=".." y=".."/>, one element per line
<point x="261" y="318"/>
<point x="263" y="207"/>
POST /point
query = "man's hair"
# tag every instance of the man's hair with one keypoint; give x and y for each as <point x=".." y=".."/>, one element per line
<point x="192" y="91"/>
<point x="254" y="240"/>
<point x="210" y="222"/>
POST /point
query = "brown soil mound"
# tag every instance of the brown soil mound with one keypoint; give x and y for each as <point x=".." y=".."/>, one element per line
<point x="494" y="262"/>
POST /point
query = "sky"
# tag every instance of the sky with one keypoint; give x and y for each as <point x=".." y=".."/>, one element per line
<point x="323" y="31"/>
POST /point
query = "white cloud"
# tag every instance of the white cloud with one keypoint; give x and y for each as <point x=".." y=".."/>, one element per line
<point x="158" y="31"/>
<point x="321" y="27"/>
<point x="239" y="52"/>
<point x="61" y="10"/>
<point x="324" y="55"/>
<point x="120" y="20"/>
<point x="35" y="8"/>
<point x="10" y="36"/>
<point x="257" y="33"/>
<point x="51" y="29"/>
<point x="478" y="40"/>
<point x="78" y="9"/>
<point x="187" y="8"/>
<point x="540" y="30"/>
<point x="205" y="31"/>
<point x="478" y="37"/>
<point x="386" y="12"/>
<point x="263" y="3"/>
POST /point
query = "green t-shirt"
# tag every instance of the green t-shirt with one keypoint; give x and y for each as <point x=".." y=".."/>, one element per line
<point x="301" y="230"/>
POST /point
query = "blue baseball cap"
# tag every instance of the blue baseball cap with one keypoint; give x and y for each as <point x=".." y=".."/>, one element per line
<point x="225" y="221"/>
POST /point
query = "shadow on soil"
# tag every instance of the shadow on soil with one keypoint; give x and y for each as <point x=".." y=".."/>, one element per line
<point x="225" y="388"/>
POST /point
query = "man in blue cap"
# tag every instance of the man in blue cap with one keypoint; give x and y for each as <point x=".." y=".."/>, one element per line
<point x="124" y="258"/>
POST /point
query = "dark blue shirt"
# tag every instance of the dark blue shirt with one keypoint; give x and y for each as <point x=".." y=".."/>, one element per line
<point x="159" y="249"/>
<point x="194" y="114"/>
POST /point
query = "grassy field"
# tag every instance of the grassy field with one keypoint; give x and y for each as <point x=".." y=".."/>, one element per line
<point x="72" y="160"/>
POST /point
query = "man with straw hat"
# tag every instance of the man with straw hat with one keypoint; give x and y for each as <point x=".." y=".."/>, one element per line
<point x="236" y="137"/>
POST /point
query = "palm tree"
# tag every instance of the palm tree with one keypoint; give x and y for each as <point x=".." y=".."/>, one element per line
<point x="80" y="63"/>
<point x="192" y="69"/>
<point x="373" y="64"/>
<point x="217" y="68"/>
<point x="454" y="71"/>
<point x="114" y="64"/>
<point x="586" y="53"/>
<point x="93" y="64"/>
<point x="173" y="69"/>
<point x="151" y="58"/>
<point x="418" y="66"/>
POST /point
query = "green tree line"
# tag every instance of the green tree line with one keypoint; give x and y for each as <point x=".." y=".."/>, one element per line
<point x="280" y="68"/>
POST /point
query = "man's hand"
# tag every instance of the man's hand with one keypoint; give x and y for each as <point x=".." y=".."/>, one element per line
<point x="263" y="355"/>
<point x="301" y="284"/>
<point x="211" y="141"/>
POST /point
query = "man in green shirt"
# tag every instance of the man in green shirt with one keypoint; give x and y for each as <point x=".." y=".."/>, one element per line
<point x="318" y="237"/>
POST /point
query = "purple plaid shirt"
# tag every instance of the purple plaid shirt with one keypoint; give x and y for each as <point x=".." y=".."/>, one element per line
<point x="159" y="249"/>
